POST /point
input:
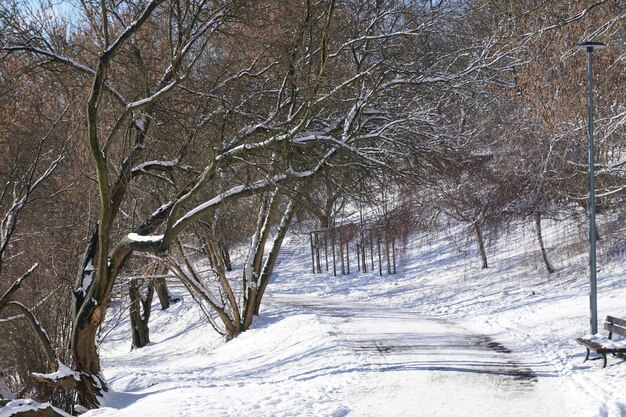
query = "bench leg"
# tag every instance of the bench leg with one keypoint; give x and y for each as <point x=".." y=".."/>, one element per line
<point x="586" y="357"/>
<point x="604" y="360"/>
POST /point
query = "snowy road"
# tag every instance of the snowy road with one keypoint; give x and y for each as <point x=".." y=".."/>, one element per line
<point x="410" y="366"/>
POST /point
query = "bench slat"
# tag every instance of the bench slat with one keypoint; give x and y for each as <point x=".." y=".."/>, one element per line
<point x="615" y="329"/>
<point x="615" y="320"/>
<point x="615" y="325"/>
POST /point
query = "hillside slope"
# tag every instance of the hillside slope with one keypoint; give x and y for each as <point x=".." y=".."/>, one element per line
<point x="440" y="338"/>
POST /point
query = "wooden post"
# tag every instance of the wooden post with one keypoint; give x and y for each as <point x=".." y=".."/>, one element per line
<point x="332" y="245"/>
<point x="347" y="258"/>
<point x="363" y="253"/>
<point x="326" y="248"/>
<point x="393" y="253"/>
<point x="343" y="268"/>
<point x="380" y="259"/>
<point x="317" y="252"/>
<point x="312" y="251"/>
<point x="372" y="249"/>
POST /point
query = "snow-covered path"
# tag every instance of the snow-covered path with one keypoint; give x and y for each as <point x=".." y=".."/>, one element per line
<point x="316" y="357"/>
<point x="404" y="365"/>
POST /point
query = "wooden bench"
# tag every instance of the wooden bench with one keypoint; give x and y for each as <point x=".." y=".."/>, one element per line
<point x="603" y="345"/>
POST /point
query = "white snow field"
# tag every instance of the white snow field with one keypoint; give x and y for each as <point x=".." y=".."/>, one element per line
<point x="440" y="338"/>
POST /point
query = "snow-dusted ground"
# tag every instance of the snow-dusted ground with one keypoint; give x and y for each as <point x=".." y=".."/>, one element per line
<point x="440" y="338"/>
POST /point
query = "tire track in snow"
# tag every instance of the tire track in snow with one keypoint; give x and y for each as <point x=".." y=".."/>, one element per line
<point x="400" y="343"/>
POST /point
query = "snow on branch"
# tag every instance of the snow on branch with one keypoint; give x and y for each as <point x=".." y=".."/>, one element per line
<point x="64" y="376"/>
<point x="153" y="167"/>
<point x="134" y="237"/>
<point x="245" y="190"/>
<point x="148" y="100"/>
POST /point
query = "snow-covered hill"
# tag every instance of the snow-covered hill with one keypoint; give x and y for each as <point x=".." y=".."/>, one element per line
<point x="440" y="338"/>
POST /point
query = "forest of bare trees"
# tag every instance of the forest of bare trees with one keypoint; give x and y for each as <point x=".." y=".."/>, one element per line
<point x="145" y="138"/>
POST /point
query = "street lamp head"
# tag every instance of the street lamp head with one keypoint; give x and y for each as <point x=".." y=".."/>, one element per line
<point x="590" y="46"/>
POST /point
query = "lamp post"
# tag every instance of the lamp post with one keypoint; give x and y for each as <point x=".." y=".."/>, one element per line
<point x="593" y="295"/>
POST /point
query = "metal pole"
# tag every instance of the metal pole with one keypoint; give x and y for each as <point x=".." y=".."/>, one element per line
<point x="593" y="292"/>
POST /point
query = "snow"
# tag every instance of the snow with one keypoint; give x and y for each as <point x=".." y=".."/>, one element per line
<point x="605" y="341"/>
<point x="21" y="406"/>
<point x="440" y="338"/>
<point x="88" y="279"/>
<point x="63" y="371"/>
<point x="134" y="237"/>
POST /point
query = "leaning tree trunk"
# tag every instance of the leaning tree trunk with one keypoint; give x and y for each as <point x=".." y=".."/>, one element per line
<point x="225" y="306"/>
<point x="270" y="262"/>
<point x="481" y="246"/>
<point x="252" y="269"/>
<point x="542" y="248"/>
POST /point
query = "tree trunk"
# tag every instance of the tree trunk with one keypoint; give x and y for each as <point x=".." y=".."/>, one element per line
<point x="252" y="270"/>
<point x="140" y="309"/>
<point x="88" y="315"/>
<point x="481" y="246"/>
<point x="542" y="248"/>
<point x="196" y="287"/>
<point x="92" y="293"/>
<point x="270" y="262"/>
<point x="226" y="256"/>
<point x="160" y="286"/>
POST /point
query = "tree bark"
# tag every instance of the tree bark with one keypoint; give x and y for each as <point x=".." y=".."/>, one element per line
<point x="140" y="309"/>
<point x="542" y="248"/>
<point x="481" y="246"/>
<point x="270" y="262"/>
<point x="225" y="252"/>
<point x="266" y="214"/>
<point x="160" y="286"/>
